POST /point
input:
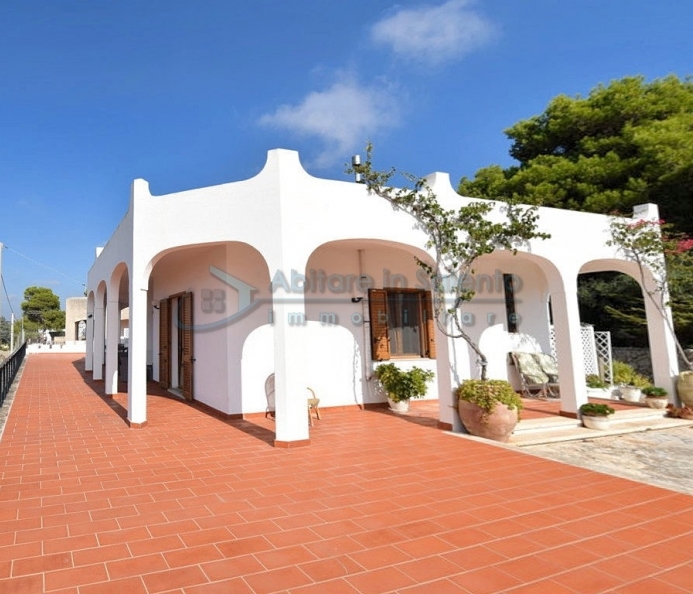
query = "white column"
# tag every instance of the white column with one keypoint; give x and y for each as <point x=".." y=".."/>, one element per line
<point x="571" y="368"/>
<point x="99" y="340"/>
<point x="665" y="364"/>
<point x="289" y="369"/>
<point x="448" y="380"/>
<point x="112" y="332"/>
<point x="89" y="355"/>
<point x="137" y="358"/>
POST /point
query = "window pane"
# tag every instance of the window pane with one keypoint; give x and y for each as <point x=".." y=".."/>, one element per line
<point x="404" y="323"/>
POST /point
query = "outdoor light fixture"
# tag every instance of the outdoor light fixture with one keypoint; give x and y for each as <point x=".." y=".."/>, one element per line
<point x="356" y="299"/>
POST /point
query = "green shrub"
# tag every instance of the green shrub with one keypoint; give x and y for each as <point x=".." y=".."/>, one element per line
<point x="487" y="393"/>
<point x="594" y="381"/>
<point x="625" y="374"/>
<point x="596" y="410"/>
<point x="403" y="385"/>
<point x="654" y="391"/>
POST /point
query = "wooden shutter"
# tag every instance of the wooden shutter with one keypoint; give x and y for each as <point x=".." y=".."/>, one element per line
<point x="377" y="309"/>
<point x="430" y="325"/>
<point x="164" y="343"/>
<point x="185" y="334"/>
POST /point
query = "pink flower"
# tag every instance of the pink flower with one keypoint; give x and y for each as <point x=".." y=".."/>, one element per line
<point x="684" y="245"/>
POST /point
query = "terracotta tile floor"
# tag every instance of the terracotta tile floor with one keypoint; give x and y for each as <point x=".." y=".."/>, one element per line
<point x="378" y="503"/>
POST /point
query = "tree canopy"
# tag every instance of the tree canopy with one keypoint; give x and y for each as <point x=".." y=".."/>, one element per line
<point x="626" y="143"/>
<point x="41" y="309"/>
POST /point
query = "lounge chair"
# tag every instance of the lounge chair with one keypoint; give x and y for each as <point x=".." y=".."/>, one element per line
<point x="538" y="374"/>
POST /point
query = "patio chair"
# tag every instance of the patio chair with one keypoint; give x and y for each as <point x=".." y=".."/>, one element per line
<point x="549" y="366"/>
<point x="534" y="379"/>
<point x="269" y="393"/>
<point x="313" y="402"/>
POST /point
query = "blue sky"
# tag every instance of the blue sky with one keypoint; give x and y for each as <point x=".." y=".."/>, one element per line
<point x="96" y="93"/>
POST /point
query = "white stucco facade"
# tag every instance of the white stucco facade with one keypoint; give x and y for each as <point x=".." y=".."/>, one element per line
<point x="274" y="273"/>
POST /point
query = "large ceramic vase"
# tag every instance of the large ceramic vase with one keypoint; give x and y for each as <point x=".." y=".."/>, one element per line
<point x="497" y="425"/>
<point x="684" y="388"/>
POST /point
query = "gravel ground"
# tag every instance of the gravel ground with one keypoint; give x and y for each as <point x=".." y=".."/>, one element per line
<point x="663" y="458"/>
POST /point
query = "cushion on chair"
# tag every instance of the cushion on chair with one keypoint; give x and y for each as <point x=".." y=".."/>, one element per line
<point x="548" y="366"/>
<point x="530" y="369"/>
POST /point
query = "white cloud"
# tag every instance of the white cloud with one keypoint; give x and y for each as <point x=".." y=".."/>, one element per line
<point x="344" y="116"/>
<point x="434" y="34"/>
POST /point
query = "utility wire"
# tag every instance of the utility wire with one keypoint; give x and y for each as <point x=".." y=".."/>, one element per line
<point x="6" y="295"/>
<point x="74" y="280"/>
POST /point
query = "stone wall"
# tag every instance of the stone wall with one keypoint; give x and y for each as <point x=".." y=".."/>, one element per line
<point x="638" y="358"/>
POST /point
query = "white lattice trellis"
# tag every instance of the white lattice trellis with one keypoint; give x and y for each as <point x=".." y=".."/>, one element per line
<point x="589" y="350"/>
<point x="596" y="351"/>
<point x="602" y="341"/>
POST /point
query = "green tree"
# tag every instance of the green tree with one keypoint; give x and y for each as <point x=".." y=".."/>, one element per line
<point x="5" y="330"/>
<point x="626" y="143"/>
<point x="456" y="238"/>
<point x="41" y="309"/>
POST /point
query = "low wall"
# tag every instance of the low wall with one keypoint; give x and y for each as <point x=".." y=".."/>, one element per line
<point x="639" y="358"/>
<point x="70" y="346"/>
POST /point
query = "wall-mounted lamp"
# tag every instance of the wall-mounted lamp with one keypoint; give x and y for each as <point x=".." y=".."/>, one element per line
<point x="90" y="316"/>
<point x="356" y="299"/>
<point x="155" y="306"/>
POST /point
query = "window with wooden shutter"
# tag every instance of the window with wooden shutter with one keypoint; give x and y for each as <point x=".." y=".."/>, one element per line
<point x="402" y="323"/>
<point x="377" y="308"/>
<point x="164" y="343"/>
<point x="185" y="336"/>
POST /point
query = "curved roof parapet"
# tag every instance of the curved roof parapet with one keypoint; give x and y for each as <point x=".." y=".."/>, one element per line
<point x="438" y="181"/>
<point x="281" y="162"/>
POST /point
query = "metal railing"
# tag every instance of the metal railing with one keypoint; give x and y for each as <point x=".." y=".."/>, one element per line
<point x="8" y="371"/>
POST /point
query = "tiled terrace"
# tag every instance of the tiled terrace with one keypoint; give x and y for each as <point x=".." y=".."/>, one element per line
<point x="378" y="503"/>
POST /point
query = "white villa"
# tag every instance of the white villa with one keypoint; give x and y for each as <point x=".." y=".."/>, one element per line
<point x="292" y="280"/>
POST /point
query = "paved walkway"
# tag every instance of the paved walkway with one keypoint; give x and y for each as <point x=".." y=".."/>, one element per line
<point x="663" y="458"/>
<point x="378" y="503"/>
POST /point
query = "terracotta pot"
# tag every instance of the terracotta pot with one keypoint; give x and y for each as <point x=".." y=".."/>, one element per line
<point x="497" y="425"/>
<point x="659" y="402"/>
<point x="684" y="387"/>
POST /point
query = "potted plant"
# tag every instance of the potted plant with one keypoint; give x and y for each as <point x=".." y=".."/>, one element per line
<point x="403" y="385"/>
<point x="596" y="416"/>
<point x="596" y="387"/>
<point x="656" y="397"/>
<point x="630" y="381"/>
<point x="489" y="408"/>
